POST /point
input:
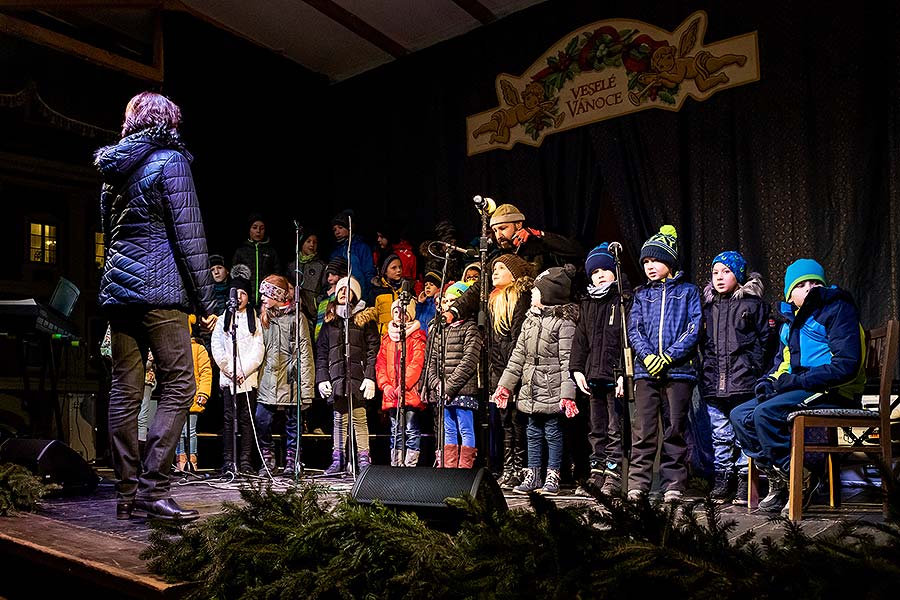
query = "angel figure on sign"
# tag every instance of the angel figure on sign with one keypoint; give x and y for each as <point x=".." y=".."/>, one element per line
<point x="520" y="112"/>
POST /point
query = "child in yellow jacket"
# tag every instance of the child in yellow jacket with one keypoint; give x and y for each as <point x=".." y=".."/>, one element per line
<point x="203" y="377"/>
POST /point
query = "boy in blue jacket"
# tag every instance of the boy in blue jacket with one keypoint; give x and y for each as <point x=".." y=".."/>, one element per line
<point x="821" y="365"/>
<point x="663" y="328"/>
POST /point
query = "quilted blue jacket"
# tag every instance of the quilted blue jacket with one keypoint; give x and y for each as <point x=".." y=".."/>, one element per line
<point x="156" y="252"/>
<point x="665" y="319"/>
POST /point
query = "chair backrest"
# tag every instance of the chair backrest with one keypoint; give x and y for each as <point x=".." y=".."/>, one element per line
<point x="881" y="361"/>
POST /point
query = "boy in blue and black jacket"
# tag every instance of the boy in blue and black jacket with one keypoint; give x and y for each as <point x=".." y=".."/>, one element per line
<point x="821" y="365"/>
<point x="663" y="328"/>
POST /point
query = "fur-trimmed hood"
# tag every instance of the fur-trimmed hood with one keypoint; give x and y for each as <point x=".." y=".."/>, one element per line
<point x="752" y="287"/>
<point x="568" y="311"/>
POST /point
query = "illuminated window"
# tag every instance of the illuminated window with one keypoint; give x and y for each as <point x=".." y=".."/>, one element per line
<point x="99" y="250"/>
<point x="42" y="248"/>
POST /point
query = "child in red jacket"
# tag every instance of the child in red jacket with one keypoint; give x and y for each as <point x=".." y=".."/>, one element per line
<point x="388" y="375"/>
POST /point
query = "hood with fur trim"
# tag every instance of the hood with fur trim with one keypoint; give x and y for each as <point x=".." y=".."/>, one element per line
<point x="752" y="287"/>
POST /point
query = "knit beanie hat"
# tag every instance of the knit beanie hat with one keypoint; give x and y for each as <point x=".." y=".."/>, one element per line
<point x="434" y="277"/>
<point x="804" y="269"/>
<point x="386" y="262"/>
<point x="600" y="258"/>
<point x="354" y="286"/>
<point x="506" y="213"/>
<point x="734" y="261"/>
<point x="457" y="289"/>
<point x="555" y="285"/>
<point x="662" y="246"/>
<point x="343" y="218"/>
<point x="474" y="265"/>
<point x="518" y="266"/>
<point x="336" y="266"/>
<point x="253" y="218"/>
<point x="216" y="260"/>
<point x="241" y="283"/>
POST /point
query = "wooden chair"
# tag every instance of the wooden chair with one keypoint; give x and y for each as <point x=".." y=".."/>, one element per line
<point x="881" y="359"/>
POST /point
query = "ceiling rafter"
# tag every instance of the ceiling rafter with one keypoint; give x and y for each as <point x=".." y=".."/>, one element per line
<point x="344" y="17"/>
<point x="478" y="10"/>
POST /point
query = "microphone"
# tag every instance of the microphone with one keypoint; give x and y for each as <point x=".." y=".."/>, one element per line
<point x="233" y="298"/>
<point x="466" y="251"/>
<point x="484" y="204"/>
<point x="405" y="291"/>
<point x="615" y="248"/>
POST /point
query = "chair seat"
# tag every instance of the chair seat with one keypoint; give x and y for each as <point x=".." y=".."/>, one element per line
<point x="847" y="413"/>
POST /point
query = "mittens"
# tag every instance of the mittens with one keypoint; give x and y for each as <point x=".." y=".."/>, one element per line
<point x="568" y="406"/>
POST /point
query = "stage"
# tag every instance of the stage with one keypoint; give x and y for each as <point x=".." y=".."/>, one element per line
<point x="76" y="543"/>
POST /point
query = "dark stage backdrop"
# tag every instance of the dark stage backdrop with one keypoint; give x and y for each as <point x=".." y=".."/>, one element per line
<point x="803" y="163"/>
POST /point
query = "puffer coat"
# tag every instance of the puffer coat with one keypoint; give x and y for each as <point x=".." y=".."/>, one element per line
<point x="597" y="347"/>
<point x="462" y="351"/>
<point x="156" y="253"/>
<point x="330" y="364"/>
<point x="541" y="359"/>
<point x="733" y="339"/>
<point x="279" y="367"/>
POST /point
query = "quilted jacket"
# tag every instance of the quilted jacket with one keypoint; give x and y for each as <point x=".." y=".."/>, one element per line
<point x="540" y="359"/>
<point x="155" y="243"/>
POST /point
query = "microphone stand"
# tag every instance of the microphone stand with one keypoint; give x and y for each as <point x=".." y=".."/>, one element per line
<point x="295" y="385"/>
<point x="439" y="318"/>
<point x="626" y="371"/>
<point x="483" y="326"/>
<point x="233" y="308"/>
<point x="353" y="450"/>
<point x="400" y="430"/>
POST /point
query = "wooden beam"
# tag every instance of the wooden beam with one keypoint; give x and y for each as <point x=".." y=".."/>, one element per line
<point x="70" y="4"/>
<point x="62" y="43"/>
<point x="347" y="19"/>
<point x="477" y="10"/>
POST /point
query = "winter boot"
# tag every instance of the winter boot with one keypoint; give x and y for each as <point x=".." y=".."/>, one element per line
<point x="412" y="458"/>
<point x="531" y="482"/>
<point x="551" y="485"/>
<point x="467" y="457"/>
<point x="290" y="462"/>
<point x="181" y="461"/>
<point x="612" y="482"/>
<point x="743" y="490"/>
<point x="193" y="463"/>
<point x="337" y="463"/>
<point x="268" y="467"/>
<point x="364" y="460"/>
<point x="723" y="489"/>
<point x="778" y="491"/>
<point x="396" y="457"/>
<point x="451" y="456"/>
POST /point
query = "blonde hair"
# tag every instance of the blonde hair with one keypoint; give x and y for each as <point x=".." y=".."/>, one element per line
<point x="276" y="280"/>
<point x="502" y="304"/>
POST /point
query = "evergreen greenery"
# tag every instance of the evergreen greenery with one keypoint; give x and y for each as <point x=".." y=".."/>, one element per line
<point x="292" y="545"/>
<point x="19" y="489"/>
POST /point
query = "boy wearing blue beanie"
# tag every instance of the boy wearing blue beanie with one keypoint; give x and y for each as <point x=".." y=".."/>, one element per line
<point x="822" y="366"/>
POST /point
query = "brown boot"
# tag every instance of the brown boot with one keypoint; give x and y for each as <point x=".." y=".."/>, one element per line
<point x="180" y="461"/>
<point x="451" y="456"/>
<point x="467" y="457"/>
<point x="194" y="462"/>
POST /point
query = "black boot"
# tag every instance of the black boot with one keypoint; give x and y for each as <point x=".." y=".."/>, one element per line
<point x="723" y="489"/>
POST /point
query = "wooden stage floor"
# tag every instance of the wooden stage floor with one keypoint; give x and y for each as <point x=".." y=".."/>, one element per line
<point x="75" y="544"/>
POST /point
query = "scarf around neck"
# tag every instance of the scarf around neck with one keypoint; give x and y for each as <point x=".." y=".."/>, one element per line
<point x="394" y="329"/>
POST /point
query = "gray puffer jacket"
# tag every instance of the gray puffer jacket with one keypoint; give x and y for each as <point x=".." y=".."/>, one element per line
<point x="541" y="359"/>
<point x="155" y="243"/>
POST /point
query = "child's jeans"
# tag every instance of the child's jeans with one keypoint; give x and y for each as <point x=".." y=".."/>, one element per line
<point x="413" y="433"/>
<point x="264" y="415"/>
<point x="541" y="427"/>
<point x="190" y="432"/>
<point x="727" y="455"/>
<point x="459" y="423"/>
<point x="671" y="397"/>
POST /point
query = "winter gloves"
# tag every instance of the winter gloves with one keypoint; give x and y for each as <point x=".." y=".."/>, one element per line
<point x="325" y="389"/>
<point x="657" y="363"/>
<point x="367" y="388"/>
<point x="500" y="397"/>
<point x="568" y="406"/>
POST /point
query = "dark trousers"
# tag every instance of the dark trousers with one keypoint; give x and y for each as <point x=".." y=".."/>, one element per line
<point x="246" y="402"/>
<point x="606" y="425"/>
<point x="165" y="333"/>
<point x="763" y="430"/>
<point x="655" y="398"/>
<point x="515" y="437"/>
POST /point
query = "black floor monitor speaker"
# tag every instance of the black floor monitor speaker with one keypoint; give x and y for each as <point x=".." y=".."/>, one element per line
<point x="53" y="462"/>
<point x="424" y="490"/>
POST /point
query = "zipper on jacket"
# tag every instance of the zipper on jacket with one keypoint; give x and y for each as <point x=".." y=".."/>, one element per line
<point x="612" y="315"/>
<point x="662" y="316"/>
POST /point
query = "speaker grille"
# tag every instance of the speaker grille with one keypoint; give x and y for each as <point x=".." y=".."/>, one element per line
<point x="421" y="487"/>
